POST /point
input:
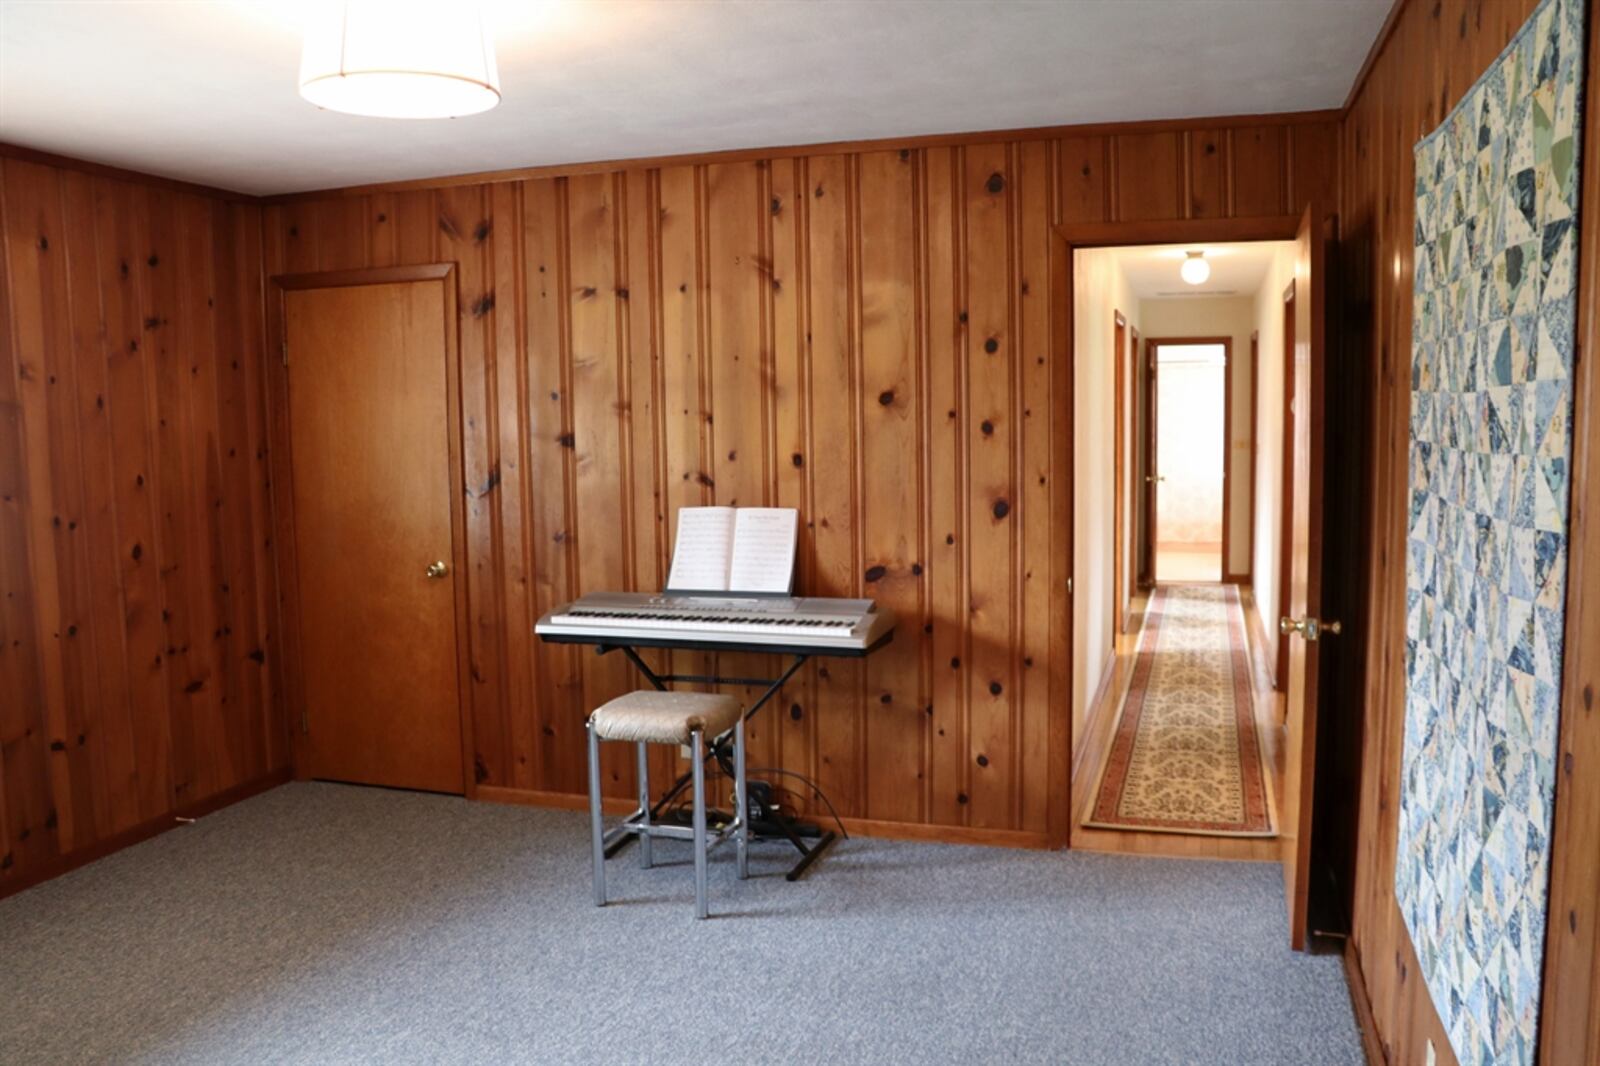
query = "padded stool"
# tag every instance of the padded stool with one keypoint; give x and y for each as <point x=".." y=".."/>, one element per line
<point x="652" y="717"/>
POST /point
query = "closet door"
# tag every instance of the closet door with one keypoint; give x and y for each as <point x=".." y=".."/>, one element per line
<point x="369" y="419"/>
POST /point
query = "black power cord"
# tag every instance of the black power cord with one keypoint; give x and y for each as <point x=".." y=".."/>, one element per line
<point x="821" y="795"/>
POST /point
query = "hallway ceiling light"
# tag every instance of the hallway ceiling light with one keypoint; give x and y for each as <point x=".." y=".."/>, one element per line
<point x="400" y="59"/>
<point x="1195" y="269"/>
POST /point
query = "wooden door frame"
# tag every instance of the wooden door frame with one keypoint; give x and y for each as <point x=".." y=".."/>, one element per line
<point x="1135" y="346"/>
<point x="1066" y="239"/>
<point x="1156" y="343"/>
<point x="1248" y="577"/>
<point x="1280" y="670"/>
<point x="1121" y="551"/>
<point x="282" y="472"/>
<point x="1148" y="415"/>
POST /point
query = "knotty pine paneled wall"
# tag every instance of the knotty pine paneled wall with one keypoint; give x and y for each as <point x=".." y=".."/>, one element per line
<point x="1436" y="51"/>
<point x="136" y="583"/>
<point x="865" y="336"/>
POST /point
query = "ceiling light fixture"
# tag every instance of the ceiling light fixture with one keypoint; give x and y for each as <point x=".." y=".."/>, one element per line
<point x="400" y="59"/>
<point x="1195" y="269"/>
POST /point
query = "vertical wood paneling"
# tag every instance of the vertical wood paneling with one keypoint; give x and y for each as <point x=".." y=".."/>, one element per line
<point x="792" y="462"/>
<point x="121" y="239"/>
<point x="1031" y="652"/>
<point x="686" y="418"/>
<point x="832" y="514"/>
<point x="513" y="734"/>
<point x="135" y="569"/>
<point x="109" y="736"/>
<point x="1084" y="185"/>
<point x="22" y="785"/>
<point x="735" y="270"/>
<point x="550" y="474"/>
<point x="1149" y="169"/>
<point x="1206" y="173"/>
<point x="220" y="755"/>
<point x="946" y="320"/>
<point x="37" y="308"/>
<point x="1258" y="158"/>
<point x="865" y="337"/>
<point x="890" y="500"/>
<point x="601" y="521"/>
<point x="1314" y="165"/>
<point x="639" y="287"/>
<point x="164" y="384"/>
<point x="812" y="332"/>
<point x="991" y="432"/>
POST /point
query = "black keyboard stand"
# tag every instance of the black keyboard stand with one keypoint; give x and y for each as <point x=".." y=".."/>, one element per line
<point x="777" y="826"/>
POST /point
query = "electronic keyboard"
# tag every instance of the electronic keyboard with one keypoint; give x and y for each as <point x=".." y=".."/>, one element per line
<point x="722" y="622"/>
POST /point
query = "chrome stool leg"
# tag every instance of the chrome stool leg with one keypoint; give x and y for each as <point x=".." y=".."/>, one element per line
<point x="596" y="829"/>
<point x="697" y="752"/>
<point x="645" y="859"/>
<point x="741" y="802"/>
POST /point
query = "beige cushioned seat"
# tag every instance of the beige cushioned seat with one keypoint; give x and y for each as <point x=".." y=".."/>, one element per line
<point x="665" y="717"/>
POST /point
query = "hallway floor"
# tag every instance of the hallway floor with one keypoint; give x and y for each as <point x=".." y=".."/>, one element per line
<point x="1097" y="737"/>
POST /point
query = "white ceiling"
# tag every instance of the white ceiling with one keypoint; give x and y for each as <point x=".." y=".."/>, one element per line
<point x="1236" y="269"/>
<point x="205" y="90"/>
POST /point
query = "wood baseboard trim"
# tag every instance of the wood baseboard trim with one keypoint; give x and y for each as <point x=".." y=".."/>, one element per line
<point x="1261" y="667"/>
<point x="945" y="834"/>
<point x="137" y="834"/>
<point x="1361" y="1000"/>
<point x="867" y="827"/>
<point x="1096" y="707"/>
<point x="563" y="801"/>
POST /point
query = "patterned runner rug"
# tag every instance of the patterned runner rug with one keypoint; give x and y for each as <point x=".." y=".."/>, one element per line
<point x="1186" y="756"/>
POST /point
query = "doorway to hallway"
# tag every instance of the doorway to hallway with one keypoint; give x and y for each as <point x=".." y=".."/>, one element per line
<point x="1187" y="472"/>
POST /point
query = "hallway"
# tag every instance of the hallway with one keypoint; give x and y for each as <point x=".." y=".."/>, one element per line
<point x="1179" y="685"/>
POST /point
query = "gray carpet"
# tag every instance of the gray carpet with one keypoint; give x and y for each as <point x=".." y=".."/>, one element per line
<point x="321" y="923"/>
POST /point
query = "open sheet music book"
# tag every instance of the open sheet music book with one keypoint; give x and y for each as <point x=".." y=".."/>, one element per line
<point x="734" y="549"/>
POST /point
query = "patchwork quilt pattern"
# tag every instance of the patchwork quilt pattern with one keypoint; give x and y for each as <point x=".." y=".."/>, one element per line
<point x="1491" y="405"/>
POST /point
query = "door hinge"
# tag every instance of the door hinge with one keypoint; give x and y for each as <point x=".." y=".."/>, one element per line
<point x="1069" y="586"/>
<point x="305" y="721"/>
<point x="285" y="353"/>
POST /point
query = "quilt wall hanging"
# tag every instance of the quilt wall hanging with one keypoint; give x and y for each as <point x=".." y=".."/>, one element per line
<point x="1493" y="327"/>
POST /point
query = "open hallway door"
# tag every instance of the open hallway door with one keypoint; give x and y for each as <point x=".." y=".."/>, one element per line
<point x="1303" y="625"/>
<point x="1147" y="526"/>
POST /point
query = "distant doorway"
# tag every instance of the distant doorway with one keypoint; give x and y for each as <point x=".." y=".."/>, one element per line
<point x="1189" y="399"/>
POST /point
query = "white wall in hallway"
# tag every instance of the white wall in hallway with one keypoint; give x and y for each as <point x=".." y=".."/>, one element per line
<point x="1269" y="436"/>
<point x="1101" y="291"/>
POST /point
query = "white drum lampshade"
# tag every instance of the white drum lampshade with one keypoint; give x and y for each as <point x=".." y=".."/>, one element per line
<point x="400" y="59"/>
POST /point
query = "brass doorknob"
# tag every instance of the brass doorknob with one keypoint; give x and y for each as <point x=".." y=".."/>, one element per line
<point x="1153" y="480"/>
<point x="437" y="570"/>
<point x="1310" y="628"/>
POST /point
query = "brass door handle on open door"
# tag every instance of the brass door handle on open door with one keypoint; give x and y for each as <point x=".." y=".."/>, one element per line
<point x="1310" y="628"/>
<point x="1153" y="480"/>
<point x="437" y="570"/>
